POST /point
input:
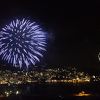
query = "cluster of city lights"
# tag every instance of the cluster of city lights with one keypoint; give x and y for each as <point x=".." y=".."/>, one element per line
<point x="69" y="75"/>
<point x="10" y="92"/>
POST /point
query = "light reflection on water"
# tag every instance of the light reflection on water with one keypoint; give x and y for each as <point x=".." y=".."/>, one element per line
<point x="46" y="90"/>
<point x="83" y="93"/>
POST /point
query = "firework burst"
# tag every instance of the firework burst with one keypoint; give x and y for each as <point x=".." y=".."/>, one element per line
<point x="22" y="43"/>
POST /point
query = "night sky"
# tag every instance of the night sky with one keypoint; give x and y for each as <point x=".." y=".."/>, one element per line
<point x="73" y="27"/>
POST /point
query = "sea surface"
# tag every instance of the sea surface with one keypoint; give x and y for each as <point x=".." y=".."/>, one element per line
<point x="53" y="91"/>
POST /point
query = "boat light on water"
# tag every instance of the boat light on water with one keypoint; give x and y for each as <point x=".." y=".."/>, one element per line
<point x="82" y="93"/>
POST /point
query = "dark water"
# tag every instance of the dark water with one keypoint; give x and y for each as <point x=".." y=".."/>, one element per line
<point x="50" y="98"/>
<point x="56" y="91"/>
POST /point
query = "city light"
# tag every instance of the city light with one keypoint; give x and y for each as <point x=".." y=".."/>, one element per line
<point x="68" y="75"/>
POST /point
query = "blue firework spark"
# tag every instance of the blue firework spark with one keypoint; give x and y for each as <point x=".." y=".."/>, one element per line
<point x="22" y="43"/>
